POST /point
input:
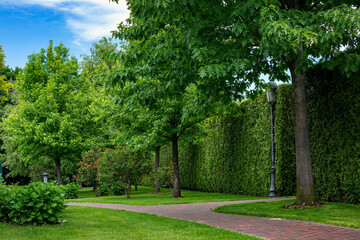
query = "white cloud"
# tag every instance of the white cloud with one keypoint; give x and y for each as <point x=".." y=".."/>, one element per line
<point x="88" y="20"/>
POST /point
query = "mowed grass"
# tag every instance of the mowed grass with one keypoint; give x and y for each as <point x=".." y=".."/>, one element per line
<point x="340" y="214"/>
<point x="145" y="196"/>
<point x="97" y="224"/>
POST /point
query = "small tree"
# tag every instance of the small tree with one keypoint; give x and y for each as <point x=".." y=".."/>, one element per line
<point x="121" y="165"/>
<point x="87" y="172"/>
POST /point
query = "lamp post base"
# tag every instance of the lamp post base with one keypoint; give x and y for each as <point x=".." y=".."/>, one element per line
<point x="272" y="194"/>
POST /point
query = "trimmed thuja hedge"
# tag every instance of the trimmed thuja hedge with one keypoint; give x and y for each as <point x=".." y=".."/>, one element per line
<point x="334" y="105"/>
<point x="236" y="158"/>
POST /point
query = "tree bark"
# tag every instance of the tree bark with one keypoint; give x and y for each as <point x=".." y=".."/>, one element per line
<point x="304" y="179"/>
<point x="157" y="161"/>
<point x="128" y="190"/>
<point x="58" y="171"/>
<point x="96" y="188"/>
<point x="176" y="176"/>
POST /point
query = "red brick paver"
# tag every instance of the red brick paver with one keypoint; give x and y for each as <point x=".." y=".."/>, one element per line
<point x="258" y="226"/>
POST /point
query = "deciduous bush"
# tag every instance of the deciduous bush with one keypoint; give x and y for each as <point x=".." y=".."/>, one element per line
<point x="6" y="196"/>
<point x="121" y="165"/>
<point x="165" y="176"/>
<point x="37" y="203"/>
<point x="71" y="190"/>
<point x="117" y="189"/>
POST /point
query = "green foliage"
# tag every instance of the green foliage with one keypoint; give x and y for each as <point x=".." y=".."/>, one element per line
<point x="71" y="190"/>
<point x="104" y="189"/>
<point x="285" y="142"/>
<point x="52" y="118"/>
<point x="235" y="158"/>
<point x="37" y="203"/>
<point x="117" y="189"/>
<point x="334" y="106"/>
<point x="230" y="44"/>
<point x="165" y="176"/>
<point x="121" y="165"/>
<point x="5" y="86"/>
<point x="6" y="196"/>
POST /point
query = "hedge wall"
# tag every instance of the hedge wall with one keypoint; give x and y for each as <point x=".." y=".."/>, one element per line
<point x="334" y="122"/>
<point x="236" y="158"/>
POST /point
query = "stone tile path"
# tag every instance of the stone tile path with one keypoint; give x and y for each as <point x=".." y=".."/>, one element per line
<point x="258" y="226"/>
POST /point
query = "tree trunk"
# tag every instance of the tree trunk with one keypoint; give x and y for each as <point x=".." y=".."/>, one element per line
<point x="128" y="190"/>
<point x="157" y="161"/>
<point x="58" y="171"/>
<point x="176" y="175"/>
<point x="96" y="188"/>
<point x="304" y="178"/>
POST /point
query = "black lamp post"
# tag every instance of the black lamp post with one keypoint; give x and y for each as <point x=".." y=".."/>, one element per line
<point x="271" y="100"/>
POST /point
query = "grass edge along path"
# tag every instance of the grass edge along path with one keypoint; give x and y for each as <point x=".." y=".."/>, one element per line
<point x="338" y="214"/>
<point x="98" y="223"/>
<point x="145" y="196"/>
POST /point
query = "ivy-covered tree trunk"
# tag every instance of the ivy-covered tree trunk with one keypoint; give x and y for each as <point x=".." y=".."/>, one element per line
<point x="157" y="161"/>
<point x="176" y="172"/>
<point x="58" y="171"/>
<point x="304" y="179"/>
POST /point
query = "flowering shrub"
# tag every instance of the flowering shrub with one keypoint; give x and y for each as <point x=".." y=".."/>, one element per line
<point x="121" y="165"/>
<point x="36" y="173"/>
<point x="87" y="172"/>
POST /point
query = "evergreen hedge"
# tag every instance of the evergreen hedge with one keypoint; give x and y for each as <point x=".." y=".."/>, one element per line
<point x="236" y="157"/>
<point x="334" y="122"/>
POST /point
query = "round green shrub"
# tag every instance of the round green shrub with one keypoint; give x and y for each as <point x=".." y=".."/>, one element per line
<point x="117" y="189"/>
<point x="71" y="190"/>
<point x="37" y="203"/>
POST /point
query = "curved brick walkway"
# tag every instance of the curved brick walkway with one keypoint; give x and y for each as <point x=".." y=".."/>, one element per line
<point x="258" y="226"/>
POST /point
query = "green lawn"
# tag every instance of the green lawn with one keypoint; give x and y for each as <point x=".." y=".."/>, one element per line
<point x="96" y="223"/>
<point x="144" y="196"/>
<point x="341" y="214"/>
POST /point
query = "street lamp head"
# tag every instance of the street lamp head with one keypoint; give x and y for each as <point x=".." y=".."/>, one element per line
<point x="271" y="93"/>
<point x="45" y="176"/>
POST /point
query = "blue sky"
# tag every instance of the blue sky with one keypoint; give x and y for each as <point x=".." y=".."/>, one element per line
<point x="26" y="26"/>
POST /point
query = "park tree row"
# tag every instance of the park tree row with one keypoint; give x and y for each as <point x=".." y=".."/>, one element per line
<point x="224" y="46"/>
<point x="181" y="61"/>
<point x="62" y="108"/>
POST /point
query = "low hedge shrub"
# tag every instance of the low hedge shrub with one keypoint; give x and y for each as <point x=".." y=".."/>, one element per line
<point x="117" y="189"/>
<point x="71" y="190"/>
<point x="37" y="203"/>
<point x="6" y="195"/>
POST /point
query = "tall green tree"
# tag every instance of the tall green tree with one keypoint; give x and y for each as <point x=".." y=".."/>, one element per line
<point x="234" y="42"/>
<point x="158" y="98"/>
<point x="52" y="118"/>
